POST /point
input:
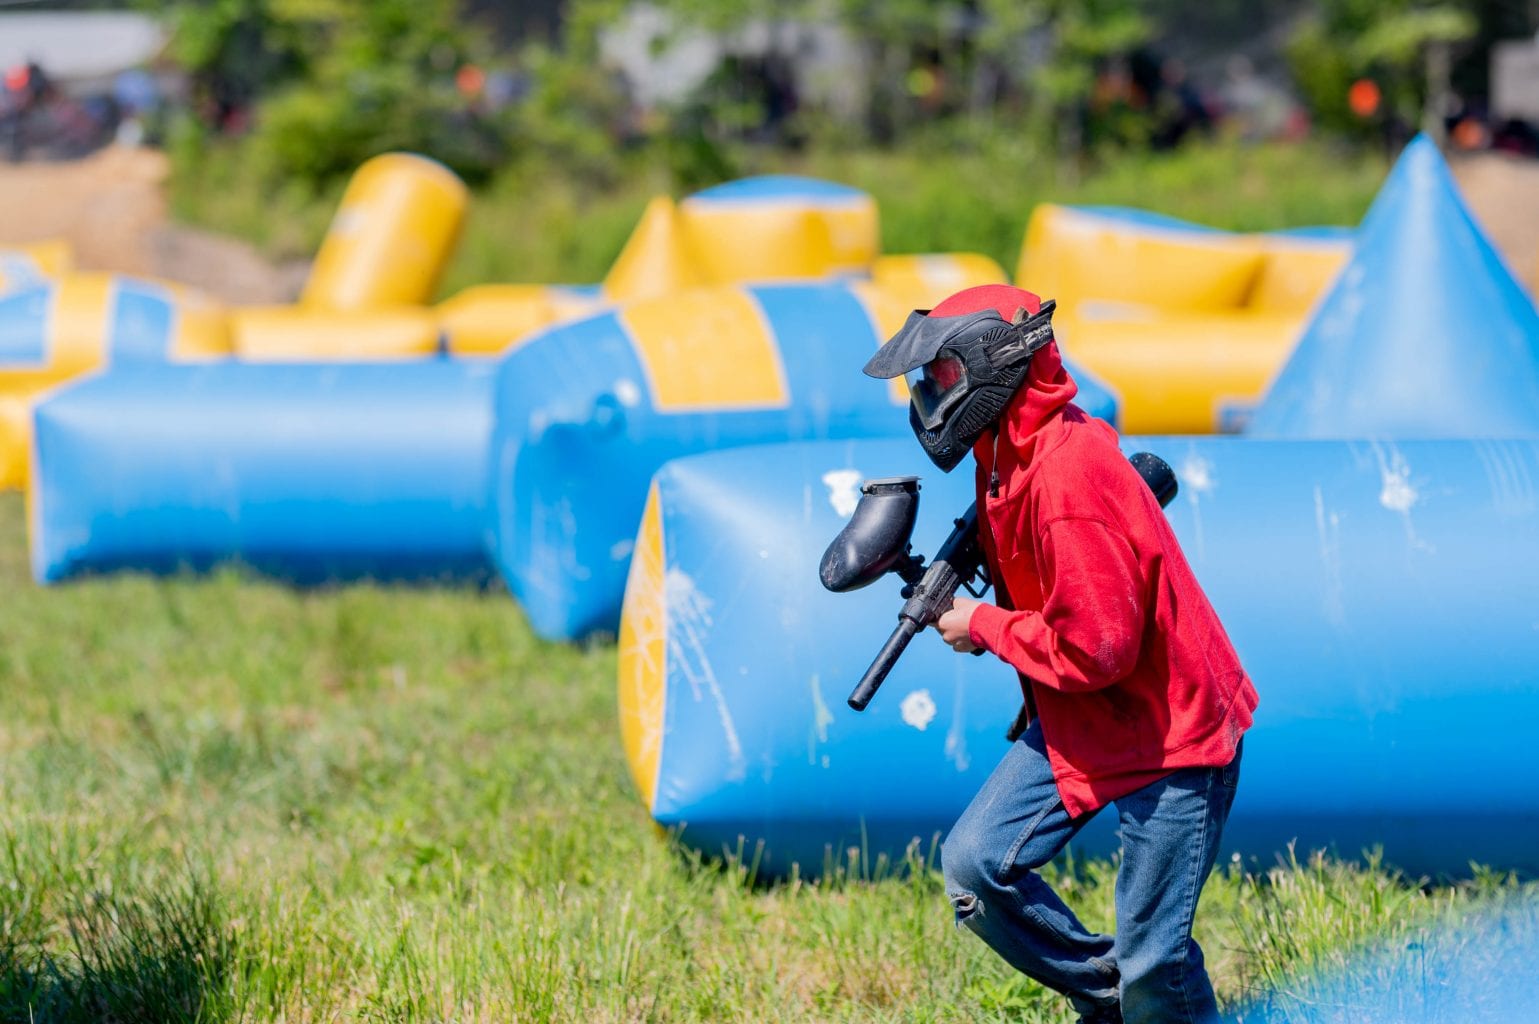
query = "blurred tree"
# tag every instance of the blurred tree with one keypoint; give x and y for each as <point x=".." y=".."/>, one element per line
<point x="338" y="80"/>
<point x="896" y="35"/>
<point x="233" y="51"/>
<point x="1419" y="36"/>
<point x="932" y="59"/>
<point x="382" y="76"/>
<point x="1404" y="46"/>
<point x="1083" y="36"/>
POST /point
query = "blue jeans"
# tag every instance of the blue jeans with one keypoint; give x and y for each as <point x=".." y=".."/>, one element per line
<point x="1170" y="829"/>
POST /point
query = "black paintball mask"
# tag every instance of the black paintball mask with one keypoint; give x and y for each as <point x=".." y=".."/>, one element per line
<point x="962" y="371"/>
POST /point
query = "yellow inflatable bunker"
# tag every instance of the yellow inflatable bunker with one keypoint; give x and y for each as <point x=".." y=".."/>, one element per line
<point x="294" y="334"/>
<point x="486" y="319"/>
<point x="1187" y="324"/>
<point x="56" y="331"/>
<point x="377" y="268"/>
<point x="780" y="228"/>
<point x="391" y="238"/>
<point x="756" y="230"/>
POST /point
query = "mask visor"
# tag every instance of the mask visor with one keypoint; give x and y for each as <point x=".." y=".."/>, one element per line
<point x="937" y="386"/>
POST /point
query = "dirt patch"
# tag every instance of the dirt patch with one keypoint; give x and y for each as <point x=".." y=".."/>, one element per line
<point x="222" y="266"/>
<point x="1503" y="194"/>
<point x="111" y="208"/>
<point x="104" y="205"/>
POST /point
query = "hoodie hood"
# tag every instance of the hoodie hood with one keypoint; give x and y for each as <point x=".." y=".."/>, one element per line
<point x="1048" y="386"/>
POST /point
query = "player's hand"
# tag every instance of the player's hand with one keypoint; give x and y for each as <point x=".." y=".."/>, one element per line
<point x="954" y="625"/>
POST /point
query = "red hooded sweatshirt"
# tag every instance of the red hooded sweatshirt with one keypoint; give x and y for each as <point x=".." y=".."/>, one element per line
<point x="1129" y="669"/>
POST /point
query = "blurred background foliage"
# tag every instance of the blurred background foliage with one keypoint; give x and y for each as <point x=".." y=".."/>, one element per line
<point x="967" y="111"/>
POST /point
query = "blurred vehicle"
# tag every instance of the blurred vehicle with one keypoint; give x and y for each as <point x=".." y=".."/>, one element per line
<point x="61" y="95"/>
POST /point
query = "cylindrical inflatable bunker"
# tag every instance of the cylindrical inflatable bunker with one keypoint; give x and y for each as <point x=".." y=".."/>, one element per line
<point x="1196" y="373"/>
<point x="775" y="229"/>
<point x="81" y="322"/>
<point x="1383" y="598"/>
<point x="586" y="412"/>
<point x="1135" y="258"/>
<point x="285" y="334"/>
<point x="312" y="473"/>
<point x="391" y="237"/>
<point x="779" y="228"/>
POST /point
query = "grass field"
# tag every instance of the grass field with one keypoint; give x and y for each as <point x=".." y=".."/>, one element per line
<point x="226" y="800"/>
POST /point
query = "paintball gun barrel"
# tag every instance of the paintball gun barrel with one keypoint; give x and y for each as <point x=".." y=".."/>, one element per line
<point x="876" y="541"/>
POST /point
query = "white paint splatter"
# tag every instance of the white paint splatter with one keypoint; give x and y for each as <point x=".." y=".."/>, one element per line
<point x="956" y="736"/>
<point x="1196" y="476"/>
<point x="918" y="709"/>
<point x="350" y="218"/>
<point x="822" y="718"/>
<point x="843" y="490"/>
<point x="1396" y="492"/>
<point x="689" y="621"/>
<point x="627" y="392"/>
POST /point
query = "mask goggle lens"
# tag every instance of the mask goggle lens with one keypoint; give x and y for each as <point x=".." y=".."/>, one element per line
<point x="936" y="386"/>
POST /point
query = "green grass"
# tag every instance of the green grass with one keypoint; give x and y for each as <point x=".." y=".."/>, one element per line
<point x="536" y="224"/>
<point x="224" y="800"/>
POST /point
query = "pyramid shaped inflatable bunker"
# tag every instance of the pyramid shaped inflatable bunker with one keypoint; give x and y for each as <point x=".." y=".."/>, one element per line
<point x="1425" y="333"/>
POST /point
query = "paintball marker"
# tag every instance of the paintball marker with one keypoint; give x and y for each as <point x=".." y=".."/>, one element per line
<point x="875" y="542"/>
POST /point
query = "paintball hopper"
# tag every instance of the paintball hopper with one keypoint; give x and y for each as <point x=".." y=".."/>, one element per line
<point x="875" y="541"/>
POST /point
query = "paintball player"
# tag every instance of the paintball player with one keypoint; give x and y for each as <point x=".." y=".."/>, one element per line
<point x="1134" y="695"/>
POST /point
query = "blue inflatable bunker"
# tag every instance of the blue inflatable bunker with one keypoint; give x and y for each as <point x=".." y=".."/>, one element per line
<point x="587" y="412"/>
<point x="1458" y="972"/>
<point x="1424" y="333"/>
<point x="312" y="472"/>
<point x="1383" y="597"/>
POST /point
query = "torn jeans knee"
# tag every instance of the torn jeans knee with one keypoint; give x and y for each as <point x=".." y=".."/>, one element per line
<point x="966" y="905"/>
